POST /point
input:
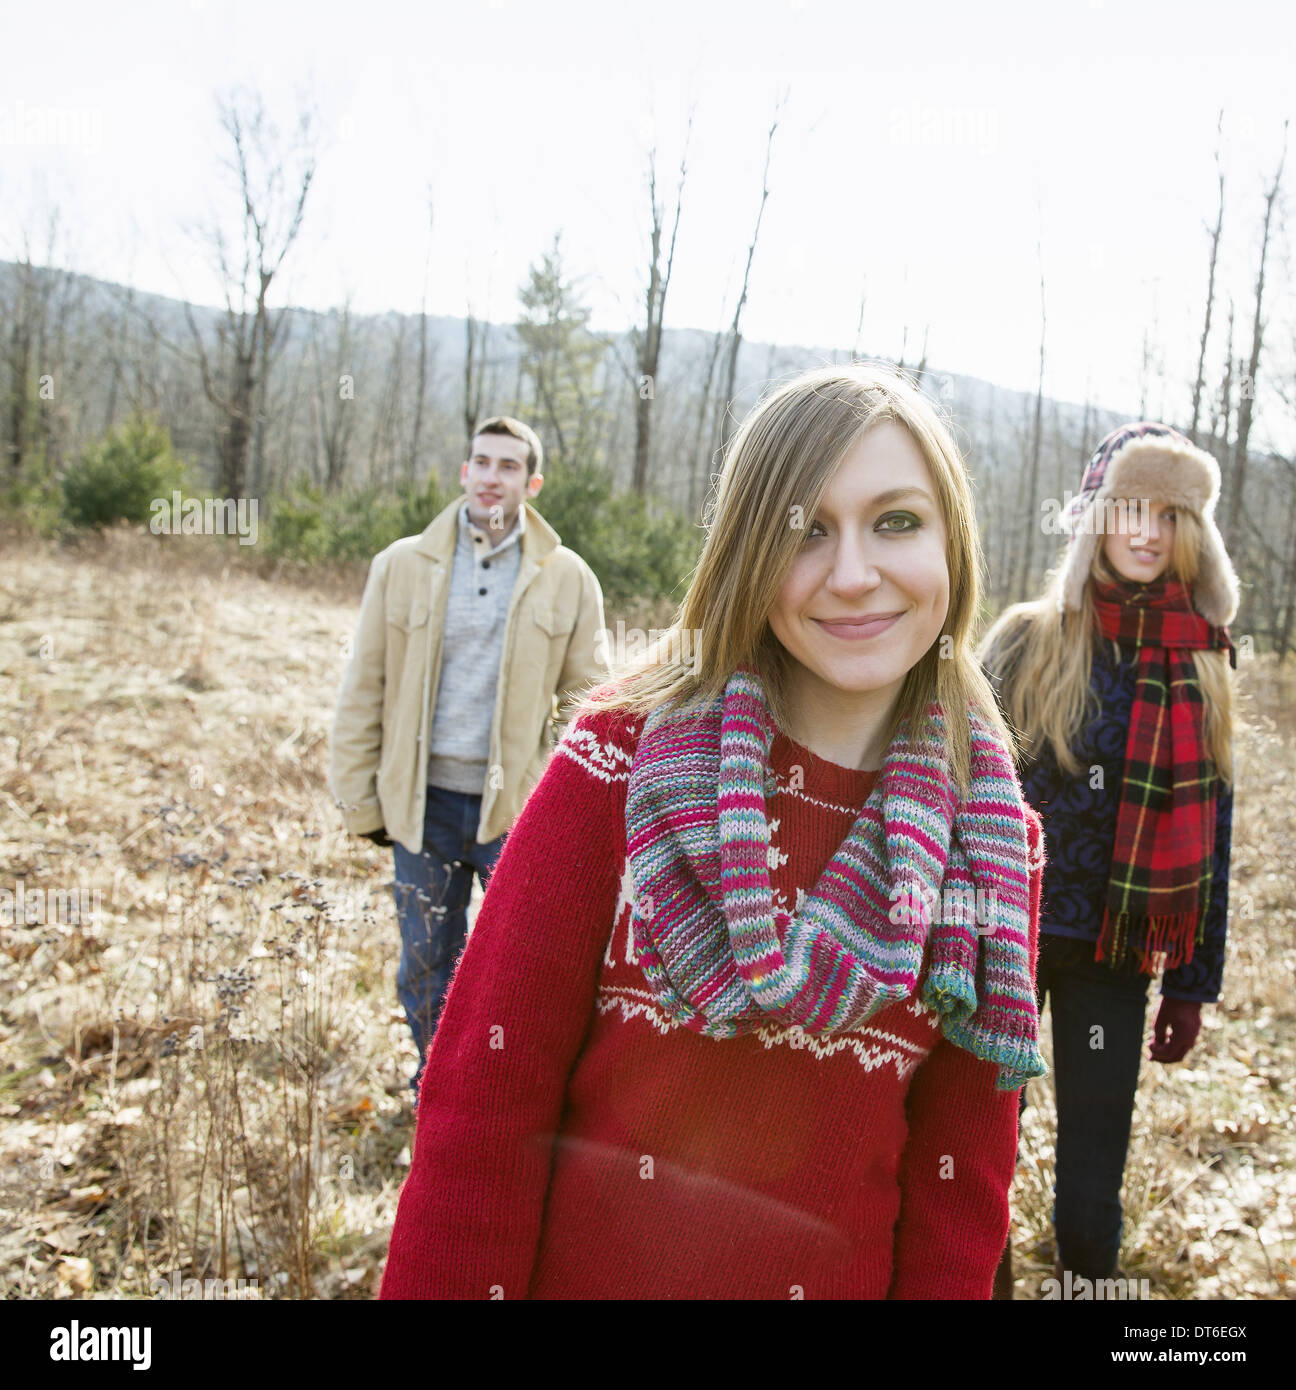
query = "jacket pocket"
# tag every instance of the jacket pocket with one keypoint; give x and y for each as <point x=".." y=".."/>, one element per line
<point x="409" y="616"/>
<point x="553" y="622"/>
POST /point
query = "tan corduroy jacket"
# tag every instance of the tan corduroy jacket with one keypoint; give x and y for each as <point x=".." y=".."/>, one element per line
<point x="378" y="753"/>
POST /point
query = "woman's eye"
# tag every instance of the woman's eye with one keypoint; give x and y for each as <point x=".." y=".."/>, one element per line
<point x="908" y="520"/>
<point x="813" y="525"/>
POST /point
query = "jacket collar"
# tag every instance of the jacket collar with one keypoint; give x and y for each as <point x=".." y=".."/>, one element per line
<point x="441" y="535"/>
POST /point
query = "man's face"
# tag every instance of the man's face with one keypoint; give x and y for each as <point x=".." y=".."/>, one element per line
<point x="494" y="477"/>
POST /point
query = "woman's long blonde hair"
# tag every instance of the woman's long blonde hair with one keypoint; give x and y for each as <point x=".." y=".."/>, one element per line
<point x="1044" y="658"/>
<point x="775" y="472"/>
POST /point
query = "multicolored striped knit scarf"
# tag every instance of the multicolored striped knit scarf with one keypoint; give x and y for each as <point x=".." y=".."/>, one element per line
<point x="1163" y="858"/>
<point x="902" y="887"/>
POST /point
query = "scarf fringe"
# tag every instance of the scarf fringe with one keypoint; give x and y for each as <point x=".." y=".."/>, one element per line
<point x="1160" y="943"/>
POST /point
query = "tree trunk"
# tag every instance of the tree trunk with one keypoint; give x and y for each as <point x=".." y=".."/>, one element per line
<point x="1246" y="394"/>
<point x="728" y="424"/>
<point x="659" y="278"/>
<point x="1033" y="483"/>
<point x="703" y="442"/>
<point x="234" y="444"/>
<point x="1287" y="606"/>
<point x="1210" y="288"/>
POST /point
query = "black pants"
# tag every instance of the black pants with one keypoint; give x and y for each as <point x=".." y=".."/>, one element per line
<point x="1098" y="1030"/>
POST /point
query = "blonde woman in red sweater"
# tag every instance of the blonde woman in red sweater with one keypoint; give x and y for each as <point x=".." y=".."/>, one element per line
<point x="750" y="996"/>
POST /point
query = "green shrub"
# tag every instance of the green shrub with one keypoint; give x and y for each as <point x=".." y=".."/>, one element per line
<point x="634" y="551"/>
<point x="119" y="477"/>
<point x="33" y="500"/>
<point x="308" y="524"/>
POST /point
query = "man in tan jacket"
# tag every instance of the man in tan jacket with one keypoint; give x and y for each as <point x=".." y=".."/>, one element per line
<point x="471" y="636"/>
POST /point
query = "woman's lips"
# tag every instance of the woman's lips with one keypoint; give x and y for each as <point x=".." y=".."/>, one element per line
<point x="859" y="629"/>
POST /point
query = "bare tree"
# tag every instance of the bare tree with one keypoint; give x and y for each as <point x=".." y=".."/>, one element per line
<point x="22" y="312"/>
<point x="420" y="384"/>
<point x="920" y="370"/>
<point x="703" y="451"/>
<point x="476" y="335"/>
<point x="18" y="359"/>
<point x="292" y="396"/>
<point x="728" y="423"/>
<point x="45" y="347"/>
<point x="1287" y="600"/>
<point x="334" y="396"/>
<point x="859" y="322"/>
<point x="1032" y="472"/>
<point x="1152" y="362"/>
<point x="384" y="447"/>
<point x="1210" y="285"/>
<point x="1086" y="428"/>
<point x="139" y="366"/>
<point x="1246" y="395"/>
<point x="1278" y="562"/>
<point x="1222" y="411"/>
<point x="117" y="336"/>
<point x="273" y="183"/>
<point x="273" y="342"/>
<point x="647" y="343"/>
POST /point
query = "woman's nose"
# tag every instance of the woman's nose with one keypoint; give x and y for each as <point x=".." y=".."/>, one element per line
<point x="854" y="569"/>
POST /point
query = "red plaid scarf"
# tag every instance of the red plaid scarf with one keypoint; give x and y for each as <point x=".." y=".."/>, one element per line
<point x="1163" y="857"/>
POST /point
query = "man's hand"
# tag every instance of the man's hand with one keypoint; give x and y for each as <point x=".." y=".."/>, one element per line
<point x="1178" y="1022"/>
<point x="379" y="837"/>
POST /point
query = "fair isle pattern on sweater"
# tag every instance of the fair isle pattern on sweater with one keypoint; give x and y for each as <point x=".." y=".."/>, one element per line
<point x="871" y="1047"/>
<point x="775" y="1163"/>
<point x="722" y="960"/>
<point x="605" y="761"/>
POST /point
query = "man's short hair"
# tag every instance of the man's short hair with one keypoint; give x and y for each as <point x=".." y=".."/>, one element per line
<point x="505" y="424"/>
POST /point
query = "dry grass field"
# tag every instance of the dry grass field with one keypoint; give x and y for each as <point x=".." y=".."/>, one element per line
<point x="204" y="1079"/>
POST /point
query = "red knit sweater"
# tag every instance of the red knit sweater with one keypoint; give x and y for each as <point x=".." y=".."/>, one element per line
<point x="573" y="1143"/>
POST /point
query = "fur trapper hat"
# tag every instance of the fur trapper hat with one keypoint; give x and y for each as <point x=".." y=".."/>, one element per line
<point x="1150" y="461"/>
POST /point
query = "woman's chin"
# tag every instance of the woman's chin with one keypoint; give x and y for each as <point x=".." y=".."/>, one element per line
<point x="860" y="677"/>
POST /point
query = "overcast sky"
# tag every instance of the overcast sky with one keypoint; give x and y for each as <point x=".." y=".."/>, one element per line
<point x="923" y="152"/>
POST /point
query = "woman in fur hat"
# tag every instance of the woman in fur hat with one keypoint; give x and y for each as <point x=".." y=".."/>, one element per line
<point x="1117" y="680"/>
<point x="750" y="996"/>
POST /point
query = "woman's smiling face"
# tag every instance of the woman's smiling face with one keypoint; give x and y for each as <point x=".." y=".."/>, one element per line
<point x="868" y="593"/>
<point x="1142" y="552"/>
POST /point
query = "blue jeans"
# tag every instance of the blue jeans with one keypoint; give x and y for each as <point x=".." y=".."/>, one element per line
<point x="433" y="890"/>
<point x="1095" y="1076"/>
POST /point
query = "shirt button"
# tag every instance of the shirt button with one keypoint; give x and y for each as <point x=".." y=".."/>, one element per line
<point x="485" y="564"/>
<point x="481" y="591"/>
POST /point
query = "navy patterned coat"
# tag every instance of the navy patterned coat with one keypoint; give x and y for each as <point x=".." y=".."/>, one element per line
<point x="1080" y="829"/>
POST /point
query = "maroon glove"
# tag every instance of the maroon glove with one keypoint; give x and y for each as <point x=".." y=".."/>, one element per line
<point x="1178" y="1022"/>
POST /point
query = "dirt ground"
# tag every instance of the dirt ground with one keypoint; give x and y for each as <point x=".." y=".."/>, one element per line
<point x="204" y="1077"/>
